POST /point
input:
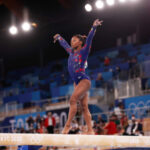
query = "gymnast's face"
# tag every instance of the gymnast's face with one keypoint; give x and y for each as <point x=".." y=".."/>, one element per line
<point x="75" y="42"/>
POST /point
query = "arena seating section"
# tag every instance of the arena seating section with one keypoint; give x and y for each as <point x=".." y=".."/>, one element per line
<point x="33" y="83"/>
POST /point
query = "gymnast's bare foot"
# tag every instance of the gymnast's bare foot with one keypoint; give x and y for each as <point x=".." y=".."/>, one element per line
<point x="66" y="129"/>
<point x="90" y="132"/>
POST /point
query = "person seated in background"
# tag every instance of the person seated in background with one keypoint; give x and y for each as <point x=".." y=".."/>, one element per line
<point x="116" y="120"/>
<point x="124" y="120"/>
<point x="110" y="86"/>
<point x="99" y="130"/>
<point x="40" y="126"/>
<point x="38" y="119"/>
<point x="99" y="81"/>
<point x="134" y="67"/>
<point x="106" y="61"/>
<point x="118" y="110"/>
<point x="120" y="130"/>
<point x="111" y="127"/>
<point x="116" y="72"/>
<point x="74" y="127"/>
<point x="137" y="128"/>
<point x="100" y="121"/>
<point x="57" y="121"/>
<point x="50" y="123"/>
<point x="94" y="125"/>
<point x="31" y="129"/>
<point x="30" y="121"/>
<point x="129" y="128"/>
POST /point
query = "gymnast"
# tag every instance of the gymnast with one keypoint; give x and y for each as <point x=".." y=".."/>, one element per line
<point x="78" y="54"/>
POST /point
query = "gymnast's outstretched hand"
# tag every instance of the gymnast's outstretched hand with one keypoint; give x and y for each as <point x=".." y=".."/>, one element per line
<point x="97" y="22"/>
<point x="55" y="37"/>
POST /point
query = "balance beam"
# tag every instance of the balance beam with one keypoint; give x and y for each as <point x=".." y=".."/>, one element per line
<point x="74" y="140"/>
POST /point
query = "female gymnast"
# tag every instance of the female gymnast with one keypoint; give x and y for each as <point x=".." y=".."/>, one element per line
<point x="78" y="54"/>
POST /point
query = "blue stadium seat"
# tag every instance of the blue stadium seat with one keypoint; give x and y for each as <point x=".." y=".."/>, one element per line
<point x="93" y="83"/>
<point x="27" y="97"/>
<point x="147" y="58"/>
<point x="55" y="92"/>
<point x="107" y="76"/>
<point x="132" y="53"/>
<point x="94" y="110"/>
<point x="52" y="85"/>
<point x="96" y="92"/>
<point x="146" y="68"/>
<point x="26" y="77"/>
<point x="140" y="58"/>
<point x="34" y="79"/>
<point x="66" y="90"/>
<point x="148" y="83"/>
<point x="145" y="46"/>
<point x="10" y="99"/>
<point x="113" y="54"/>
<point x="93" y="62"/>
<point x="124" y="66"/>
<point x="145" y="50"/>
<point x="36" y="96"/>
<point x="117" y="61"/>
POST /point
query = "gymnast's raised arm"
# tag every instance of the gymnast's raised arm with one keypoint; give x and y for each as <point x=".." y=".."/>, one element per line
<point x="92" y="33"/>
<point x="62" y="42"/>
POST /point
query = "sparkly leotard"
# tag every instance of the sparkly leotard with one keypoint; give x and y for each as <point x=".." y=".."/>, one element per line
<point x="77" y="60"/>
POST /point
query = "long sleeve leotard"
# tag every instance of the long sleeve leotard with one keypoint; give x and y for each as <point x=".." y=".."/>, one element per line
<point x="77" y="60"/>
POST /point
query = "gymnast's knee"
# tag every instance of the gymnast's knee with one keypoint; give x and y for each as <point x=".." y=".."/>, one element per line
<point x="73" y="99"/>
<point x="89" y="115"/>
<point x="85" y="107"/>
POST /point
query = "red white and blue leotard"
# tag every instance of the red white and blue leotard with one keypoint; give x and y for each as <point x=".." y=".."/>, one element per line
<point x="77" y="60"/>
